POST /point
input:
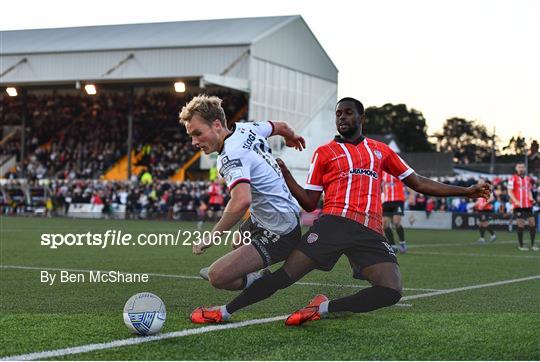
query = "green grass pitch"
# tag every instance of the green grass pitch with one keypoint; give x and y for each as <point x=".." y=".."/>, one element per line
<point x="498" y="322"/>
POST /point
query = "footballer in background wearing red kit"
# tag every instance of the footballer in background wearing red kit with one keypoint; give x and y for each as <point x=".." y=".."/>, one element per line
<point x="484" y="208"/>
<point x="393" y="197"/>
<point x="520" y="192"/>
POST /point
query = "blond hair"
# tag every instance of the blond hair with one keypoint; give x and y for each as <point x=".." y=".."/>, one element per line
<point x="209" y="108"/>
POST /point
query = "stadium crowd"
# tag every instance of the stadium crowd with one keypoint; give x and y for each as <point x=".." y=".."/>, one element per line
<point x="81" y="137"/>
<point x="160" y="199"/>
<point x="190" y="199"/>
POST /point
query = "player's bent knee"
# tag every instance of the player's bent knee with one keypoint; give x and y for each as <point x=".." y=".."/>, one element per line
<point x="217" y="278"/>
<point x="384" y="275"/>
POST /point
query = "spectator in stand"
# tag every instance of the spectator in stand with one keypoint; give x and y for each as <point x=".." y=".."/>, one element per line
<point x="442" y="206"/>
<point x="430" y="206"/>
<point x="420" y="202"/>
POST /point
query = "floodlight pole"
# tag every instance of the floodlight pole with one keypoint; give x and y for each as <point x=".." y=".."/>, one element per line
<point x="526" y="161"/>
<point x="23" y="130"/>
<point x="492" y="159"/>
<point x="130" y="131"/>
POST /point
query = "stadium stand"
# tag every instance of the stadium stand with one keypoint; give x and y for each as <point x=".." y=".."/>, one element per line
<point x="82" y="137"/>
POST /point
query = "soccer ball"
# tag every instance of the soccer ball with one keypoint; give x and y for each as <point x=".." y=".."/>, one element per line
<point x="144" y="314"/>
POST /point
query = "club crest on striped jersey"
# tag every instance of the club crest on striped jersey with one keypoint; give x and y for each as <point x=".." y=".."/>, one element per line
<point x="378" y="154"/>
<point x="312" y="238"/>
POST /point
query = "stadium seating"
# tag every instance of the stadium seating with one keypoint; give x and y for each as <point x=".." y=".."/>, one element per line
<point x="75" y="136"/>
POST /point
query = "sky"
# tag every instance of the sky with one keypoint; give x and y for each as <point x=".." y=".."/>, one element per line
<point x="476" y="59"/>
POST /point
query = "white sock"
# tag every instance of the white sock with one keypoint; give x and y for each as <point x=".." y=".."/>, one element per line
<point x="224" y="313"/>
<point x="250" y="278"/>
<point x="323" y="308"/>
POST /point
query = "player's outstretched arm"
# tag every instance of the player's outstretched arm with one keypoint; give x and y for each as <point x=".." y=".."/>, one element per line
<point x="291" y="138"/>
<point x="308" y="199"/>
<point x="427" y="186"/>
<point x="234" y="211"/>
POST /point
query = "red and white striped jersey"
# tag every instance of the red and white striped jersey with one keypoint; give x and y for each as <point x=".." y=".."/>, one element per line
<point x="521" y="188"/>
<point x="392" y="188"/>
<point x="482" y="204"/>
<point x="349" y="174"/>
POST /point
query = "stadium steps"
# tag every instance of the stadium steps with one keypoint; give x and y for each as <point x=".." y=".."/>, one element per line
<point x="180" y="175"/>
<point x="118" y="172"/>
<point x="10" y="135"/>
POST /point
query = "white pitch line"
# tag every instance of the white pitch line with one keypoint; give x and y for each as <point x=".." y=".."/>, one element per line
<point x="193" y="277"/>
<point x="359" y="286"/>
<point x="471" y="287"/>
<point x="137" y="340"/>
<point x="193" y="331"/>
<point x="415" y="246"/>
<point x="477" y="254"/>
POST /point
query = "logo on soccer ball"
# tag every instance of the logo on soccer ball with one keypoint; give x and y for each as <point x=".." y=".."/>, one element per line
<point x="144" y="314"/>
<point x="312" y="238"/>
<point x="378" y="154"/>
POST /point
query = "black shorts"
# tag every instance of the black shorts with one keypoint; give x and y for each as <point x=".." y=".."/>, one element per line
<point x="272" y="247"/>
<point x="484" y="215"/>
<point x="392" y="208"/>
<point x="523" y="212"/>
<point x="214" y="207"/>
<point x="332" y="236"/>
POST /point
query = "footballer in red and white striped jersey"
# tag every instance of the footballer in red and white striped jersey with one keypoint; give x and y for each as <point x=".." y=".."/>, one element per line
<point x="392" y="188"/>
<point x="520" y="192"/>
<point x="393" y="208"/>
<point x="521" y="188"/>
<point x="484" y="208"/>
<point x="351" y="174"/>
<point x="482" y="204"/>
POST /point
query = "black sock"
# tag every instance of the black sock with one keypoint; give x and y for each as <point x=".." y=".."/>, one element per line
<point x="532" y="232"/>
<point x="401" y="233"/>
<point x="365" y="300"/>
<point x="389" y="235"/>
<point x="482" y="231"/>
<point x="261" y="289"/>
<point x="520" y="236"/>
<point x="490" y="229"/>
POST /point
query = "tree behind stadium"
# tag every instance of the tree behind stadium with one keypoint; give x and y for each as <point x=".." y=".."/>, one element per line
<point x="409" y="126"/>
<point x="469" y="141"/>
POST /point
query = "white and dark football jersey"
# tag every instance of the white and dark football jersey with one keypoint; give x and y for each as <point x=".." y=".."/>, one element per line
<point x="246" y="157"/>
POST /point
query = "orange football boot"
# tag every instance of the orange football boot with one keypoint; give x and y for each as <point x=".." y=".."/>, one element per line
<point x="203" y="315"/>
<point x="308" y="313"/>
